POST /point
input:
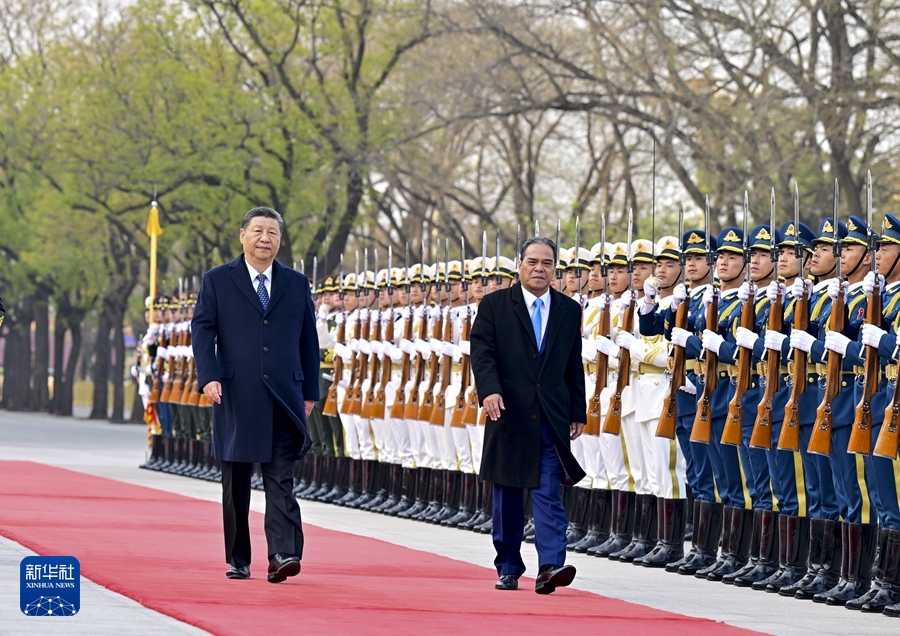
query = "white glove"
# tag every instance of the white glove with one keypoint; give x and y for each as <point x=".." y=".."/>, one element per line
<point x="834" y="285"/>
<point x="708" y="295"/>
<point x="436" y="346"/>
<point x="162" y="353"/>
<point x="407" y="347"/>
<point x="343" y="351"/>
<point x="377" y="347"/>
<point x="871" y="335"/>
<point x="774" y="340"/>
<point x="424" y="347"/>
<point x="688" y="387"/>
<point x="744" y="291"/>
<point x="648" y="305"/>
<point x="404" y="313"/>
<point x="801" y="284"/>
<point x="339" y="318"/>
<point x="394" y="353"/>
<point x="626" y="299"/>
<point x="680" y="336"/>
<point x="869" y="283"/>
<point x="588" y="350"/>
<point x="322" y="314"/>
<point x="650" y="291"/>
<point x="746" y="338"/>
<point x="712" y="341"/>
<point x="434" y="312"/>
<point x="837" y="342"/>
<point x="605" y="345"/>
<point x="465" y="347"/>
<point x="624" y="339"/>
<point x="365" y="347"/>
<point x="363" y="315"/>
<point x="801" y="340"/>
<point x="679" y="294"/>
<point x="602" y="302"/>
<point x="419" y="313"/>
<point x="447" y="349"/>
<point x="774" y="289"/>
<point x="354" y="345"/>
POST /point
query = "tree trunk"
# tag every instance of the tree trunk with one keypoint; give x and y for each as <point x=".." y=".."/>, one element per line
<point x="118" y="370"/>
<point x="40" y="392"/>
<point x="100" y="376"/>
<point x="17" y="361"/>
<point x="67" y="393"/>
<point x="59" y="377"/>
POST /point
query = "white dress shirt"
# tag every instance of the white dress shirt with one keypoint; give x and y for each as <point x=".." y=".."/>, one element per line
<point x="545" y="307"/>
<point x="254" y="274"/>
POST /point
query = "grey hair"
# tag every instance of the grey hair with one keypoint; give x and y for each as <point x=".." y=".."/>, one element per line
<point x="535" y="240"/>
<point x="267" y="213"/>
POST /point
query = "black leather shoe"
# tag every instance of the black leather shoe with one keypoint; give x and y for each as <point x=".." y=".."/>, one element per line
<point x="507" y="582"/>
<point x="282" y="566"/>
<point x="550" y="578"/>
<point x="242" y="572"/>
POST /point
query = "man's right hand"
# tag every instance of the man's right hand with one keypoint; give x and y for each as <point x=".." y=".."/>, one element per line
<point x="493" y="404"/>
<point x="213" y="390"/>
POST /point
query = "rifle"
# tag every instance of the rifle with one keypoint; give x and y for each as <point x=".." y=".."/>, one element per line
<point x="378" y="408"/>
<point x="613" y="422"/>
<point x="369" y="399"/>
<point x="702" y="431"/>
<point x="354" y="361"/>
<point x="398" y="408"/>
<point x="666" y="425"/>
<point x="889" y="438"/>
<point x="861" y="436"/>
<point x="592" y="426"/>
<point x="427" y="403"/>
<point x="330" y="406"/>
<point x="176" y="362"/>
<point x="465" y="388"/>
<point x="440" y="393"/>
<point x="731" y="434"/>
<point x="411" y="411"/>
<point x="355" y="395"/>
<point x="761" y="437"/>
<point x="162" y="343"/>
<point x="559" y="272"/>
<point x="790" y="430"/>
<point x="820" y="439"/>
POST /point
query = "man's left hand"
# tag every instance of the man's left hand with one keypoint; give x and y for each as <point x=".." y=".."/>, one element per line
<point x="575" y="430"/>
<point x="308" y="406"/>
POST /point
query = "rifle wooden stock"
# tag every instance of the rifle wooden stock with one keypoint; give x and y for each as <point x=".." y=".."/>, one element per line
<point x="368" y="405"/>
<point x="440" y="393"/>
<point x="426" y="405"/>
<point x="666" y="425"/>
<point x="355" y="393"/>
<point x="592" y="426"/>
<point x="761" y="437"/>
<point x="613" y="422"/>
<point x="702" y="430"/>
<point x="398" y="408"/>
<point x="378" y="408"/>
<point x="861" y="436"/>
<point x="160" y="366"/>
<point x="790" y="428"/>
<point x="175" y="368"/>
<point x="354" y="372"/>
<point x="187" y="383"/>
<point x="184" y="374"/>
<point x="734" y="421"/>
<point x="457" y="418"/>
<point x="887" y="443"/>
<point x="470" y="416"/>
<point x="331" y="400"/>
<point x="411" y="410"/>
<point x="820" y="439"/>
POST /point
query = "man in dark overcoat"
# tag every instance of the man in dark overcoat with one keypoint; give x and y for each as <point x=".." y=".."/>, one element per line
<point x="257" y="356"/>
<point x="526" y="357"/>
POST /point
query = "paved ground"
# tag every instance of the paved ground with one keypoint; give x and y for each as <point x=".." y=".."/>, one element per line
<point x="114" y="451"/>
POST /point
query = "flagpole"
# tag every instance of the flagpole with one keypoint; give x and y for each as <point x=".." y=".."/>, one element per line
<point x="153" y="230"/>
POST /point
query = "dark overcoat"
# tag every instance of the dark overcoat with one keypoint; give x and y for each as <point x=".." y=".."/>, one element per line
<point x="505" y="360"/>
<point x="258" y="356"/>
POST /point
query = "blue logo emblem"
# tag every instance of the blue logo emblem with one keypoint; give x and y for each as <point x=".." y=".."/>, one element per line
<point x="50" y="586"/>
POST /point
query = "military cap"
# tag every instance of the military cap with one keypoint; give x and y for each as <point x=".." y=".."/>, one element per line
<point x="478" y="265"/>
<point x="330" y="284"/>
<point x="643" y="251"/>
<point x="467" y="268"/>
<point x="368" y="280"/>
<point x="826" y="231"/>
<point x="507" y="267"/>
<point x="601" y="252"/>
<point x="731" y="239"/>
<point x="694" y="242"/>
<point x="428" y="273"/>
<point x="667" y="247"/>
<point x="891" y="230"/>
<point x="580" y="261"/>
<point x="857" y="231"/>
<point x="618" y="254"/>
<point x="789" y="236"/>
<point x="381" y="279"/>
<point x="349" y="283"/>
<point x="761" y="238"/>
<point x="455" y="271"/>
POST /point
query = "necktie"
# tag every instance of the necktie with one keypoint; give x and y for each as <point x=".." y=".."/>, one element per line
<point x="261" y="291"/>
<point x="536" y="321"/>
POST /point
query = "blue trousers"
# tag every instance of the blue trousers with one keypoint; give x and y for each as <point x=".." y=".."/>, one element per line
<point x="821" y="498"/>
<point x="548" y="512"/>
<point x="849" y="480"/>
<point x="755" y="463"/>
<point x="165" y="418"/>
<point x="788" y="490"/>
<point x="885" y="474"/>
<point x="698" y="471"/>
<point x="726" y="465"/>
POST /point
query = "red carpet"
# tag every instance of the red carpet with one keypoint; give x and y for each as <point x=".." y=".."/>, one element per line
<point x="165" y="551"/>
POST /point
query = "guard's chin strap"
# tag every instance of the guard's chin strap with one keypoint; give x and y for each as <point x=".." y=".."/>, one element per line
<point x="891" y="270"/>
<point x="770" y="273"/>
<point x="858" y="263"/>
<point x="730" y="280"/>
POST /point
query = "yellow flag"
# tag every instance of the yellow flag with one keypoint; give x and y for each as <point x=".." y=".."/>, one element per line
<point x="153" y="226"/>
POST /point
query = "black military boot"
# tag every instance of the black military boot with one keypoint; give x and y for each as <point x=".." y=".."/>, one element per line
<point x="753" y="555"/>
<point x="407" y="492"/>
<point x="598" y="506"/>
<point x="724" y="543"/>
<point x="367" y="489"/>
<point x="207" y="460"/>
<point x="341" y="478"/>
<point x="670" y="522"/>
<point x="315" y="480"/>
<point x="741" y="540"/>
<point x="480" y="515"/>
<point x="420" y="480"/>
<point x="795" y="549"/>
<point x="622" y="525"/>
<point x="451" y="497"/>
<point x="155" y="452"/>
<point x="877" y="572"/>
<point x="300" y="474"/>
<point x="689" y="522"/>
<point x="197" y="460"/>
<point x="487" y="507"/>
<point x="578" y="519"/>
<point x="889" y="591"/>
<point x="435" y="497"/>
<point x="394" y="477"/>
<point x="466" y="502"/>
<point x="382" y="482"/>
<point x="829" y="563"/>
<point x="693" y="515"/>
<point x="858" y="542"/>
<point x="327" y="482"/>
<point x="707" y="532"/>
<point x="354" y="482"/>
<point x="768" y="551"/>
<point x="634" y="525"/>
<point x="645" y="534"/>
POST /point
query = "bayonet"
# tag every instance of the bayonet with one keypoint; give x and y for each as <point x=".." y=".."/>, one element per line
<point x="484" y="258"/>
<point x="746" y="237"/>
<point x="315" y="268"/>
<point x="628" y="256"/>
<point x="873" y="240"/>
<point x="390" y="281"/>
<point x="558" y="270"/>
<point x="341" y="282"/>
<point x="518" y="248"/>
<point x="408" y="281"/>
<point x="653" y="205"/>
<point x="497" y="260"/>
<point x="680" y="235"/>
<point x="837" y="238"/>
<point x="537" y="227"/>
<point x="798" y="249"/>
<point x="773" y="254"/>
